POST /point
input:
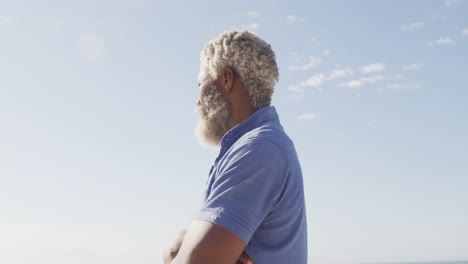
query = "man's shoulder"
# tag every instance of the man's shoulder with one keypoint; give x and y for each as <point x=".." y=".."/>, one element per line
<point x="272" y="138"/>
<point x="262" y="145"/>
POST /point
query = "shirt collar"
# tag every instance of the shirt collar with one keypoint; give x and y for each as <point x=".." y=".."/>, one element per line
<point x="253" y="121"/>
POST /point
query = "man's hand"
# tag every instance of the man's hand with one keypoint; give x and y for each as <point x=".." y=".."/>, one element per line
<point x="171" y="252"/>
<point x="244" y="259"/>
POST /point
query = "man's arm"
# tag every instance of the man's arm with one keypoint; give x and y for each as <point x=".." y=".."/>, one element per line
<point x="171" y="252"/>
<point x="207" y="243"/>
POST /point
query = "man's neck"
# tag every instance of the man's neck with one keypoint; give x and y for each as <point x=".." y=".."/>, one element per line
<point x="241" y="115"/>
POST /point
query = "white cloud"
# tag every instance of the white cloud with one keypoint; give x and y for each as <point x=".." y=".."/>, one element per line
<point x="326" y="52"/>
<point x="451" y="3"/>
<point x="91" y="47"/>
<point x="375" y="67"/>
<point x="314" y="62"/>
<point x="292" y="19"/>
<point x="307" y="116"/>
<point x="57" y="29"/>
<point x="251" y="13"/>
<point x="295" y="56"/>
<point x="413" y="26"/>
<point x="436" y="16"/>
<point x="412" y="67"/>
<point x="312" y="40"/>
<point x="295" y="89"/>
<point x="251" y="26"/>
<point x="359" y="82"/>
<point x="397" y="87"/>
<point x="209" y="26"/>
<point x="464" y="32"/>
<point x="297" y="92"/>
<point x="6" y="20"/>
<point x="445" y="41"/>
<point x="351" y="84"/>
<point x="340" y="73"/>
<point x="314" y="81"/>
<point x="390" y="87"/>
<point x="400" y="77"/>
<point x="296" y="96"/>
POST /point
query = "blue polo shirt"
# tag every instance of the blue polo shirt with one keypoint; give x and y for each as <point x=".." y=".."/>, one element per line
<point x="255" y="190"/>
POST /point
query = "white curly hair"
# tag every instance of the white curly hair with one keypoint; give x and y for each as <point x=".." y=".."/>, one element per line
<point x="249" y="56"/>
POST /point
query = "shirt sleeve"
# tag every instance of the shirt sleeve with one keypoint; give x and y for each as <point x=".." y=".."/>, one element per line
<point x="247" y="183"/>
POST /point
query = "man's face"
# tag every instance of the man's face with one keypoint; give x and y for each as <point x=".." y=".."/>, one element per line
<point x="213" y="110"/>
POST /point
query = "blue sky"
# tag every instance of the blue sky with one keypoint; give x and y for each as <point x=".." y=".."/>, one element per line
<point x="98" y="160"/>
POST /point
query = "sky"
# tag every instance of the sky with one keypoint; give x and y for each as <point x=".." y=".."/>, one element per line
<point x="98" y="158"/>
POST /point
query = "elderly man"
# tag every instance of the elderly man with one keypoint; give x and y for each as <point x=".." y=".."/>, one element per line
<point x="254" y="209"/>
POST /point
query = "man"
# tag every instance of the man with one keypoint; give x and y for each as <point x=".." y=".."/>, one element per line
<point x="254" y="209"/>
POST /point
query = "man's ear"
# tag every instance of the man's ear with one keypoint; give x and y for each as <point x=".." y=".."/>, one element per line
<point x="228" y="79"/>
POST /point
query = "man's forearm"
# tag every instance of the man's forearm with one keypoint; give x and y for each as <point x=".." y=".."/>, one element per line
<point x="208" y="243"/>
<point x="171" y="252"/>
<point x="194" y="256"/>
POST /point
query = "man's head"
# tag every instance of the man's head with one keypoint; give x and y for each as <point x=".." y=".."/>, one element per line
<point x="234" y="64"/>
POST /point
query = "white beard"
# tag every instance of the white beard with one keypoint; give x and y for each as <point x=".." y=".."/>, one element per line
<point x="214" y="118"/>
